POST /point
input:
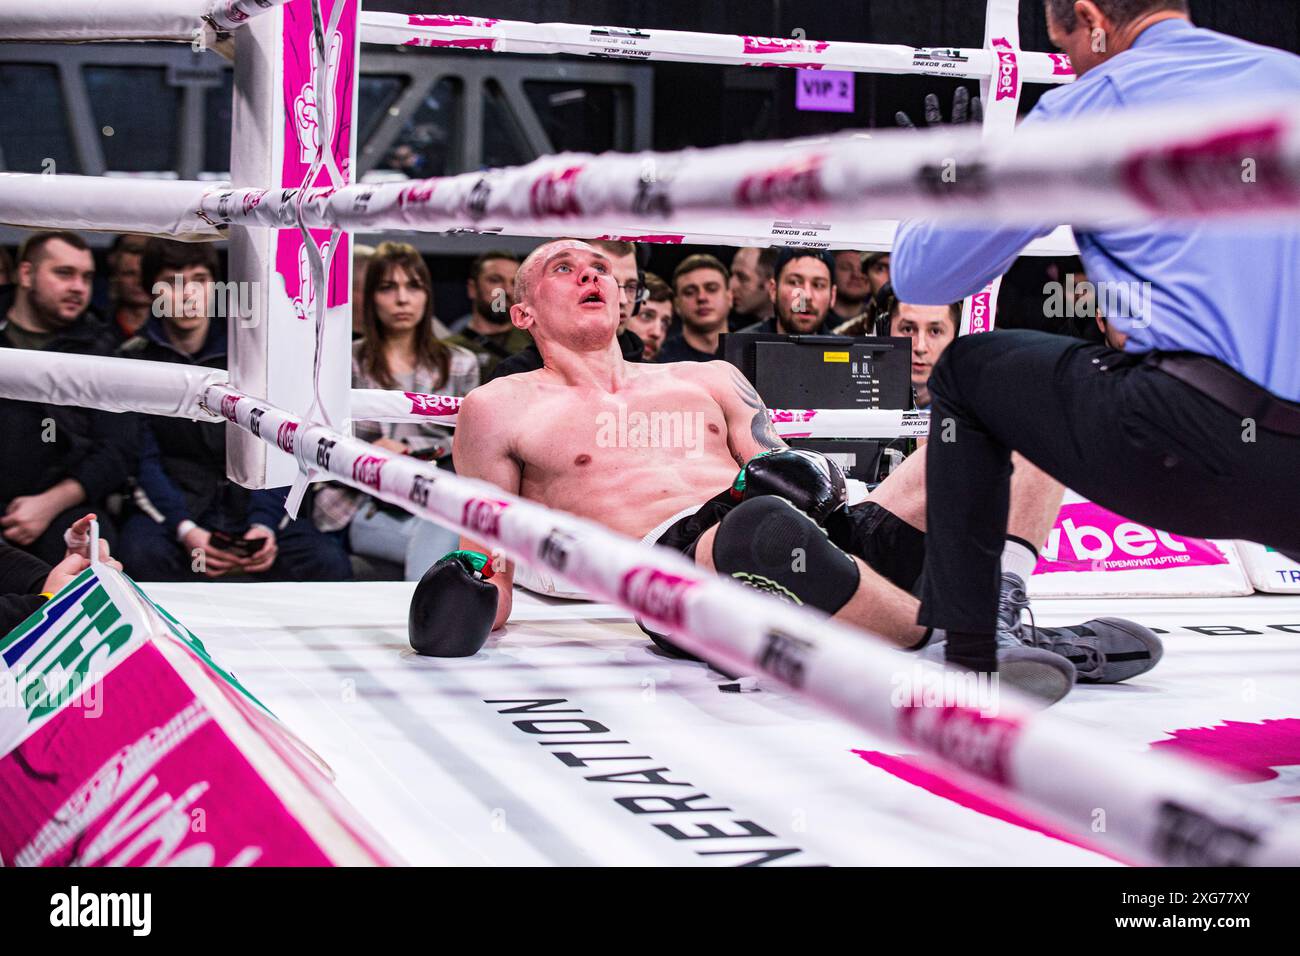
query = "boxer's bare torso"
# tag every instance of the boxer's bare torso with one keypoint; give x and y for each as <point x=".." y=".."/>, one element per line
<point x="625" y="444"/>
<point x="662" y="439"/>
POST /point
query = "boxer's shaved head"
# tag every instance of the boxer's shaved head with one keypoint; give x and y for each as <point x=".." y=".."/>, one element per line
<point x="567" y="295"/>
<point x="524" y="278"/>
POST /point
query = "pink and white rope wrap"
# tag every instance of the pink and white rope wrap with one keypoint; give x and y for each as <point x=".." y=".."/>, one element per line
<point x="681" y="46"/>
<point x="83" y="21"/>
<point x="1158" y="165"/>
<point x="380" y="405"/>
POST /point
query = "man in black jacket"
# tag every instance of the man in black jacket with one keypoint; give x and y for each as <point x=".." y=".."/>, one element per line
<point x="190" y="519"/>
<point x="61" y="461"/>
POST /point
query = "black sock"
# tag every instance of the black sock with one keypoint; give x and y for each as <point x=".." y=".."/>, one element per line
<point x="976" y="652"/>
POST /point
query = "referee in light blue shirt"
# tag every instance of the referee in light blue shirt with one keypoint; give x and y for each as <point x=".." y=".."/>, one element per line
<point x="1190" y="422"/>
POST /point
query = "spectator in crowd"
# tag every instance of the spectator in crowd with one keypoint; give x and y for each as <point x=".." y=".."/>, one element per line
<point x="128" y="298"/>
<point x="48" y="302"/>
<point x="931" y="328"/>
<point x="852" y="288"/>
<point x="27" y="582"/>
<point x="188" y="518"/>
<point x="490" y="287"/>
<point x="623" y="264"/>
<point x="398" y="351"/>
<point x="6" y="267"/>
<point x="875" y="265"/>
<point x="627" y="273"/>
<point x="361" y="255"/>
<point x="803" y="292"/>
<point x="651" y="322"/>
<point x="751" y="271"/>
<point x="702" y="297"/>
<point x="487" y="330"/>
<point x="60" y="460"/>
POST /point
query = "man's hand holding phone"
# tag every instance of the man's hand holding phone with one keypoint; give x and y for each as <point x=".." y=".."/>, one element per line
<point x="213" y="545"/>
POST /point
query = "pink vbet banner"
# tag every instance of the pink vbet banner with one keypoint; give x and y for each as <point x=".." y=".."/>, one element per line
<point x="1087" y="537"/>
<point x="124" y="744"/>
<point x="981" y="311"/>
<point x="302" y="140"/>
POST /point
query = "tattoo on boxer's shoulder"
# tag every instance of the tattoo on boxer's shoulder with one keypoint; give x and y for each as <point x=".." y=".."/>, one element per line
<point x="746" y="391"/>
<point x="760" y="425"/>
<point x="764" y="434"/>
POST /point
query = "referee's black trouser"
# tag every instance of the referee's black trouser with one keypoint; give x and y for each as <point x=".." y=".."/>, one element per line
<point x="1119" y="432"/>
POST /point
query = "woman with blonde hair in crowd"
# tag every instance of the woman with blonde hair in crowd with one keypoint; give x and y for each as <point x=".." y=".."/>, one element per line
<point x="398" y="349"/>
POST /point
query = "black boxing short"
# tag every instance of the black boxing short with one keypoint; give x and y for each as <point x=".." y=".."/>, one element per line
<point x="889" y="545"/>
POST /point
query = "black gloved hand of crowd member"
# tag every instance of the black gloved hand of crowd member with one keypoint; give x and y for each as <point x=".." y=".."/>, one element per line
<point x="965" y="109"/>
<point x="453" y="607"/>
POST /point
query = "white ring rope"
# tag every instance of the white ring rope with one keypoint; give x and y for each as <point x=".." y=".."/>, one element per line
<point x="384" y="405"/>
<point x="91" y="381"/>
<point x="633" y="43"/>
<point x="1179" y="164"/>
<point x="86" y="21"/>
<point x="1062" y="768"/>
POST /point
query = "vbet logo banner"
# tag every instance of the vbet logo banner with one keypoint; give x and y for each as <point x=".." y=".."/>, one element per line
<point x="1091" y="550"/>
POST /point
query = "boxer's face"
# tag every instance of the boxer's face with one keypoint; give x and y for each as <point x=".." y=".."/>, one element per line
<point x="571" y="295"/>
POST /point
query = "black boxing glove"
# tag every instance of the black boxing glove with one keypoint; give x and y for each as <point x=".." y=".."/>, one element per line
<point x="454" y="606"/>
<point x="807" y="479"/>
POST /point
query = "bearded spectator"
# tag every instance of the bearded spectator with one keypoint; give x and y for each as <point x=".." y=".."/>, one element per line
<point x="803" y="293"/>
<point x="60" y="460"/>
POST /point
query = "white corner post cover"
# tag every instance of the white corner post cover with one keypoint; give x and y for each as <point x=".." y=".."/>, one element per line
<point x="280" y="126"/>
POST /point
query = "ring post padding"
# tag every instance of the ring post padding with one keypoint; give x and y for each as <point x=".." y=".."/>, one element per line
<point x="277" y="126"/>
